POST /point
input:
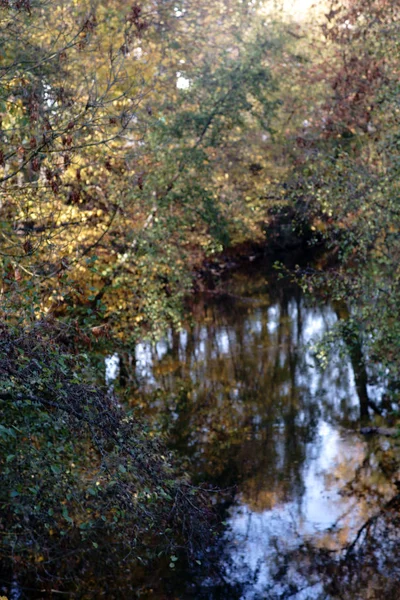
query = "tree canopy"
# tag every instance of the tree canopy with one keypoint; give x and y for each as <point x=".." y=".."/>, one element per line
<point x="137" y="140"/>
<point x="117" y="126"/>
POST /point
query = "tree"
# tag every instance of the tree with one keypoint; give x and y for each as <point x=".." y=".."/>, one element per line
<point x="345" y="169"/>
<point x="113" y="176"/>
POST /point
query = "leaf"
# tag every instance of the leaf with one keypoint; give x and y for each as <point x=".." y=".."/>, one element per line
<point x="7" y="432"/>
<point x="66" y="515"/>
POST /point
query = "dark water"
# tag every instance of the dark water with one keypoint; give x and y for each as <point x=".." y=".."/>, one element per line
<point x="241" y="393"/>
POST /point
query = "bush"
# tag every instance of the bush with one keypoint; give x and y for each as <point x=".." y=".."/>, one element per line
<point x="87" y="490"/>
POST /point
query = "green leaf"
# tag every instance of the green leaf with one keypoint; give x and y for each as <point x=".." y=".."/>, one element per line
<point x="66" y="515"/>
<point x="7" y="432"/>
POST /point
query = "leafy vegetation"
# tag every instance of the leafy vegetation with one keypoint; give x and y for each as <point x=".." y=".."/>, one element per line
<point x="83" y="483"/>
<point x="346" y="172"/>
<point x="136" y="140"/>
<point x="113" y="175"/>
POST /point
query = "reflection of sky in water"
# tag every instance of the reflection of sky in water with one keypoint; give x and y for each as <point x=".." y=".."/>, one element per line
<point x="272" y="318"/>
<point x="183" y="339"/>
<point x="311" y="508"/>
<point x="322" y="507"/>
<point x="112" y="368"/>
<point x="144" y="362"/>
<point x="254" y="537"/>
<point x="315" y="321"/>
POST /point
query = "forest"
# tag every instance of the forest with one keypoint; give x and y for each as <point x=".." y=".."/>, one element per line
<point x="171" y="171"/>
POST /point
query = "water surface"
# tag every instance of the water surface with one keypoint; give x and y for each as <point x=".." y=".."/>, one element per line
<point x="242" y="393"/>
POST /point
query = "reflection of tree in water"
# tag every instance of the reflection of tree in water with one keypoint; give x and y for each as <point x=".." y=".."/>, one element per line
<point x="234" y="395"/>
<point x="367" y="569"/>
<point x="240" y="395"/>
<point x="349" y="562"/>
<point x="237" y="390"/>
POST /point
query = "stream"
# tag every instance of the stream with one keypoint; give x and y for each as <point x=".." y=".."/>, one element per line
<point x="241" y="393"/>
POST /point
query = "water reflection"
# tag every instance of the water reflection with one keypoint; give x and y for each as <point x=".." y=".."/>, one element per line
<point x="242" y="395"/>
<point x="257" y="537"/>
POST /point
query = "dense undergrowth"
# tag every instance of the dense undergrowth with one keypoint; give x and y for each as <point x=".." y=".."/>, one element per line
<point x="88" y="492"/>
